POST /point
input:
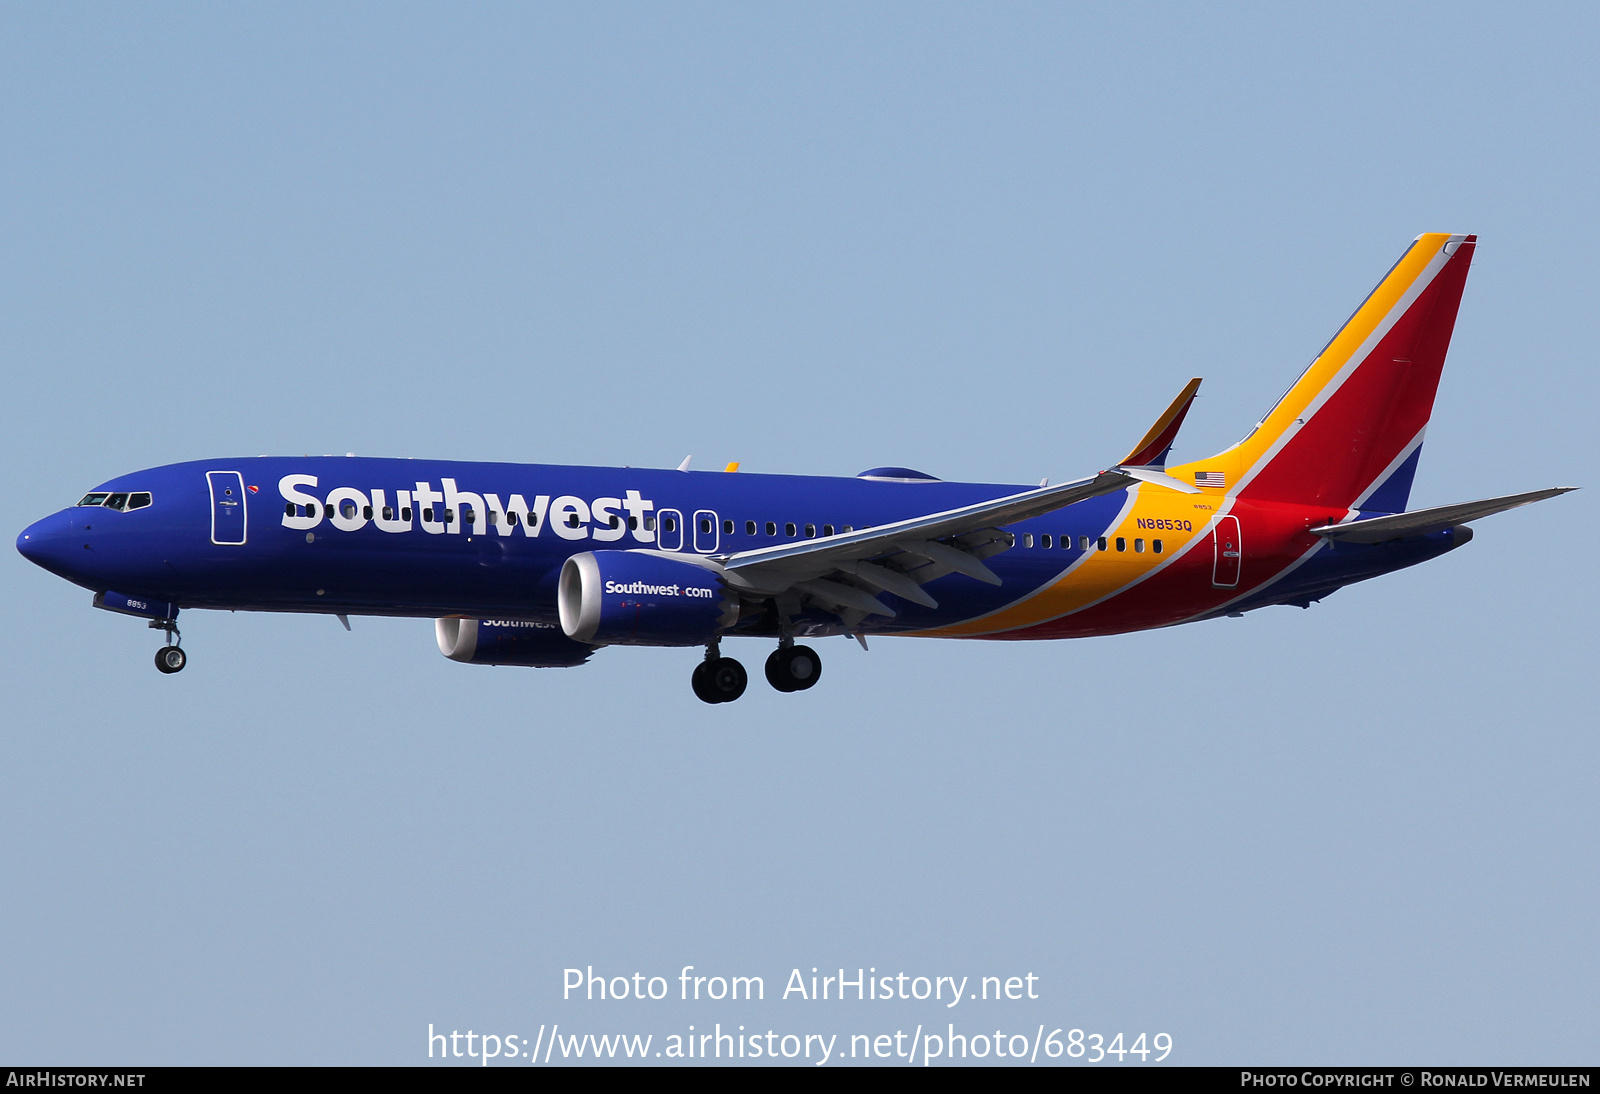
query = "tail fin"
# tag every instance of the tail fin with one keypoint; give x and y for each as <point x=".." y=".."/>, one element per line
<point x="1348" y="433"/>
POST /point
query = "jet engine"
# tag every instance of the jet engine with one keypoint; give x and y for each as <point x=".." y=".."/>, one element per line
<point x="508" y="642"/>
<point x="643" y="598"/>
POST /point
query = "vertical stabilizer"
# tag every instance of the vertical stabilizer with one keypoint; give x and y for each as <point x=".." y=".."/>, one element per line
<point x="1347" y="435"/>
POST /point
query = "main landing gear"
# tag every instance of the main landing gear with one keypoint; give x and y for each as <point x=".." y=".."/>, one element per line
<point x="720" y="679"/>
<point x="793" y="668"/>
<point x="170" y="658"/>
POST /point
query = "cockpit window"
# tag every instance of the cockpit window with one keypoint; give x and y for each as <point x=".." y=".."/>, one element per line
<point x="119" y="502"/>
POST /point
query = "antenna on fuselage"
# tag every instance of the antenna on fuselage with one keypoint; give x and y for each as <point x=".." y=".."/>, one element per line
<point x="684" y="466"/>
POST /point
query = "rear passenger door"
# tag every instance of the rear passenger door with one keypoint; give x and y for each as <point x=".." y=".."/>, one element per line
<point x="1227" y="553"/>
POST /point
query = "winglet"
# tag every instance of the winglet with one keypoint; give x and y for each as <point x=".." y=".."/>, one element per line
<point x="1152" y="450"/>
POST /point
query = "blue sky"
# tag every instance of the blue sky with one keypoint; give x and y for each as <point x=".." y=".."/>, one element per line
<point x="986" y="242"/>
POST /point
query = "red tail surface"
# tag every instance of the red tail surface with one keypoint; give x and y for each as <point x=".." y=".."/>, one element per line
<point x="1347" y="434"/>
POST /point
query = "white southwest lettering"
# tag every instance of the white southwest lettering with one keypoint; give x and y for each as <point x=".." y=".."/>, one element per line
<point x="309" y="503"/>
<point x="459" y="502"/>
<point x="641" y="588"/>
<point x="570" y="516"/>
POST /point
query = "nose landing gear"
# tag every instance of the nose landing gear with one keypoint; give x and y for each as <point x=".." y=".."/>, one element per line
<point x="170" y="658"/>
<point x="718" y="679"/>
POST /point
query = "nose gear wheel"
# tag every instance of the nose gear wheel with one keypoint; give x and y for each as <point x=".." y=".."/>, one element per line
<point x="170" y="658"/>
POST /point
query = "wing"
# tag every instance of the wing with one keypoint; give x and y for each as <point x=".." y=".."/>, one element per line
<point x="845" y="574"/>
<point x="1423" y="521"/>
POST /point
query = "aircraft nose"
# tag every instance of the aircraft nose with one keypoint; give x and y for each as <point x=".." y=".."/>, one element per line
<point x="48" y="543"/>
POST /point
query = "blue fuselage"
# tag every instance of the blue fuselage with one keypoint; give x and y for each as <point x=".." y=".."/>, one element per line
<point x="434" y="538"/>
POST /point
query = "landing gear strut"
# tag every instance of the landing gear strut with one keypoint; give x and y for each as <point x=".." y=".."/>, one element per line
<point x="793" y="668"/>
<point x="718" y="679"/>
<point x="170" y="658"/>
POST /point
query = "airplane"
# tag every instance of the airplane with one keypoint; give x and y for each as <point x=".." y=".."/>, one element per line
<point x="542" y="565"/>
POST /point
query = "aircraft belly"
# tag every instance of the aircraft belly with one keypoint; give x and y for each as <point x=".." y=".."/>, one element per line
<point x="372" y="573"/>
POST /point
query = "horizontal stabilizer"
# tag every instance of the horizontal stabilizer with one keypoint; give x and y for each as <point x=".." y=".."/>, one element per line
<point x="1424" y="521"/>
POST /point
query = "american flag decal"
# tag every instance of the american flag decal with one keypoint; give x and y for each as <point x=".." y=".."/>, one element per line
<point x="1210" y="478"/>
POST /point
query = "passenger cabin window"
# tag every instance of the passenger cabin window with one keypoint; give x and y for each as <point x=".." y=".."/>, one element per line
<point x="749" y="527"/>
<point x="827" y="529"/>
<point x="1138" y="546"/>
<point x="1046" y="542"/>
<point x="705" y="527"/>
<point x="288" y="508"/>
<point x="772" y="529"/>
<point x="1027" y="539"/>
<point x="788" y="529"/>
<point x="667" y="525"/>
<point x="1083" y="543"/>
<point x="405" y="512"/>
<point x="1122" y="544"/>
<point x="811" y="531"/>
<point x="727" y="527"/>
<point x="1155" y="545"/>
<point x="1101" y="543"/>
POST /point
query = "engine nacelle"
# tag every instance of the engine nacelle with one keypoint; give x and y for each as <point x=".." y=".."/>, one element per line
<point x="508" y="642"/>
<point x="643" y="598"/>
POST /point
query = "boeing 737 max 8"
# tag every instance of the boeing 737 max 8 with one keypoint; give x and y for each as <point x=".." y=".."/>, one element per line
<point x="542" y="565"/>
